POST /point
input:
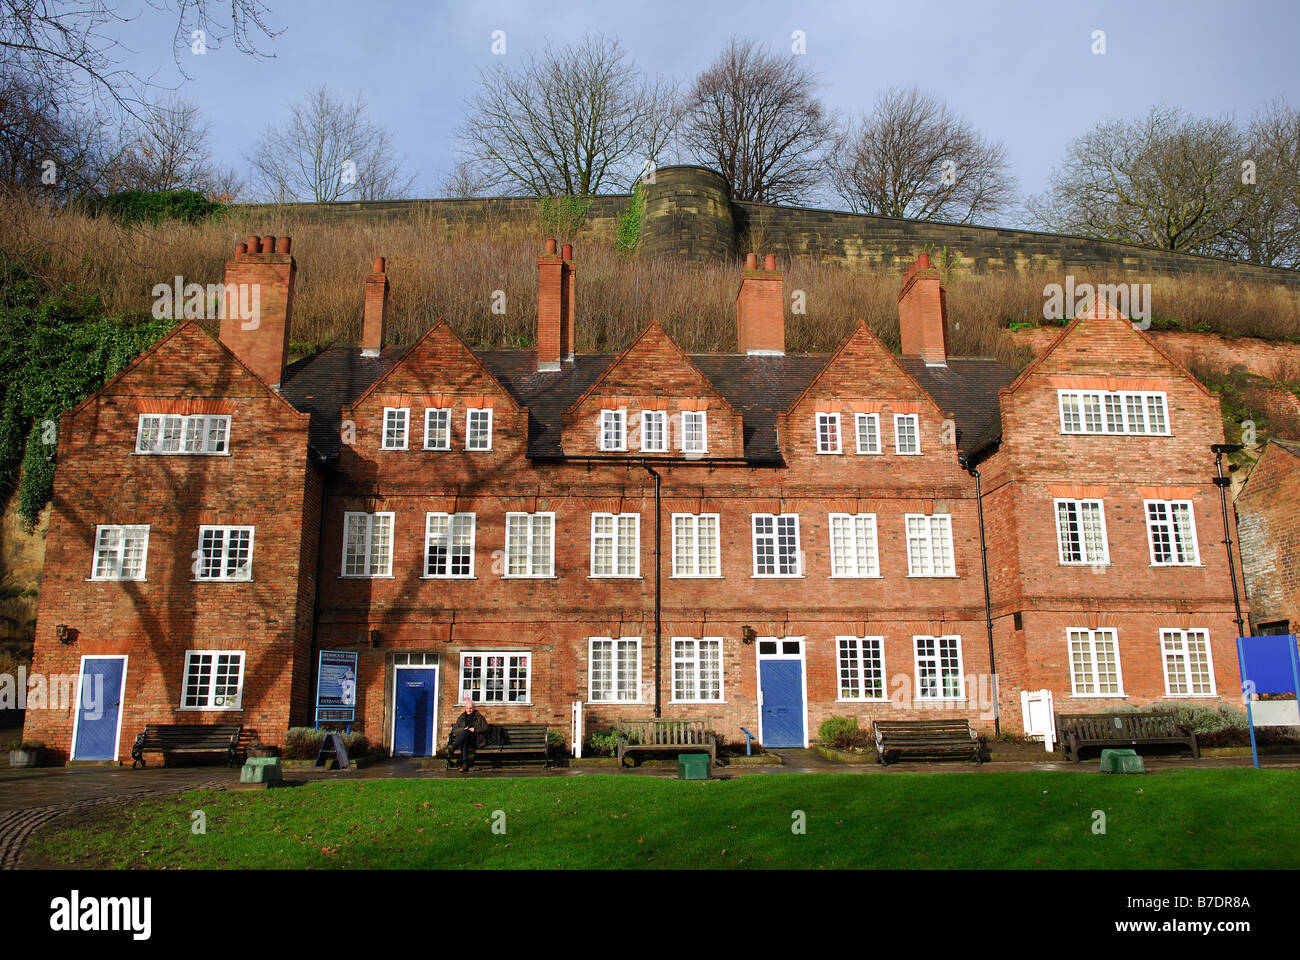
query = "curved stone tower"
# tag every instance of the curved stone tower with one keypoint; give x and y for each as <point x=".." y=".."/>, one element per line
<point x="688" y="215"/>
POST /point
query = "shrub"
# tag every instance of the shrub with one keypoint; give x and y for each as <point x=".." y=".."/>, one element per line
<point x="27" y="745"/>
<point x="842" y="733"/>
<point x="304" y="743"/>
<point x="155" y="206"/>
<point x="554" y="738"/>
<point x="602" y="742"/>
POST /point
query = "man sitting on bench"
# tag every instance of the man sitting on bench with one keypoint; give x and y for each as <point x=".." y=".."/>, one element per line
<point x="468" y="732"/>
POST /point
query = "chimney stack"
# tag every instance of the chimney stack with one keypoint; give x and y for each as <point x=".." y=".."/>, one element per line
<point x="760" y="308"/>
<point x="258" y="303"/>
<point x="923" y="314"/>
<point x="555" y="290"/>
<point x="374" y="326"/>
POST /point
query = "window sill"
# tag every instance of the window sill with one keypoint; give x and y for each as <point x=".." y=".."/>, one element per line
<point x="367" y="576"/>
<point x="856" y="576"/>
<point x="438" y="576"/>
<point x="529" y="576"/>
<point x="778" y="576"/>
<point x="933" y="576"/>
<point x="901" y="453"/>
<point x="829" y="453"/>
<point x="221" y="580"/>
<point x="696" y="576"/>
<point x="615" y="703"/>
<point x="393" y="449"/>
<point x="941" y="700"/>
<point x="436" y="449"/>
<point x="477" y="450"/>
<point x="208" y="709"/>
<point x="614" y="576"/>
<point x="870" y="453"/>
<point x="1076" y="564"/>
<point x="1099" y="696"/>
<point x="178" y="453"/>
<point x="1191" y="696"/>
<point x="117" y="580"/>
<point x="690" y="703"/>
<point x="862" y="700"/>
<point x="1167" y="566"/>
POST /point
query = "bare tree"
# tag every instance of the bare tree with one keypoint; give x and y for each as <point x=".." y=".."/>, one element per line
<point x="68" y="47"/>
<point x="755" y="116"/>
<point x="60" y="154"/>
<point x="912" y="157"/>
<point x="464" y="181"/>
<point x="328" y="150"/>
<point x="1269" y="232"/>
<point x="1164" y="180"/>
<point x="577" y="120"/>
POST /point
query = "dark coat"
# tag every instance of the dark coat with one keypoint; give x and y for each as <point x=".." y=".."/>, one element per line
<point x="475" y="720"/>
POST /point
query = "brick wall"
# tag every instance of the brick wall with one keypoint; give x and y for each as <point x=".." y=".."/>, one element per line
<point x="1268" y="524"/>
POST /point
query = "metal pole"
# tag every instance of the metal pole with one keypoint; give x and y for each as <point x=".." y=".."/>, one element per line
<point x="988" y="601"/>
<point x="1222" y="482"/>
<point x="658" y="588"/>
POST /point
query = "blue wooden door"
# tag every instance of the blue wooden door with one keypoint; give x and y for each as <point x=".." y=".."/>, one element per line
<point x="413" y="716"/>
<point x="782" y="718"/>
<point x="99" y="708"/>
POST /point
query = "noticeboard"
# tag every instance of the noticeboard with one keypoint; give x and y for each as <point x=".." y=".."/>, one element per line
<point x="336" y="686"/>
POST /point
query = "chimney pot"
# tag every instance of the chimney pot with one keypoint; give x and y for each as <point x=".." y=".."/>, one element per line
<point x="378" y="265"/>
<point x="751" y="261"/>
<point x="241" y="248"/>
<point x="567" y="251"/>
<point x="769" y="262"/>
<point x="923" y="261"/>
<point x="283" y="244"/>
<point x="254" y="244"/>
<point x="550" y="246"/>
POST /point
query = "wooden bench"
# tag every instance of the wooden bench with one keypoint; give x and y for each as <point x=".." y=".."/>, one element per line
<point x="926" y="738"/>
<point x="528" y="740"/>
<point x="173" y="738"/>
<point x="1077" y="730"/>
<point x="659" y="735"/>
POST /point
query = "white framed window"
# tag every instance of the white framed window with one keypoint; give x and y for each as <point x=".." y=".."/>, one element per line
<point x="1094" y="663"/>
<point x="225" y="553"/>
<point x="861" y="668"/>
<point x="929" y="545"/>
<point x="867" y="426"/>
<point x="697" y="670"/>
<point x="1171" y="530"/>
<point x="854" y="550"/>
<point x="397" y="421"/>
<point x="214" y="680"/>
<point x="695" y="431"/>
<point x="478" y="429"/>
<point x="1189" y="667"/>
<point x="828" y="433"/>
<point x="614" y="670"/>
<point x="1106" y="411"/>
<point x="907" y="434"/>
<point x="496" y="676"/>
<point x="437" y="428"/>
<point x="776" y="545"/>
<point x="367" y="544"/>
<point x="121" y="552"/>
<point x="530" y="545"/>
<point x="938" y="668"/>
<point x="616" y="545"/>
<point x="696" y="551"/>
<point x="1081" y="532"/>
<point x="449" y="545"/>
<point x="159" y="433"/>
<point x="654" y="431"/>
<point x="613" y="430"/>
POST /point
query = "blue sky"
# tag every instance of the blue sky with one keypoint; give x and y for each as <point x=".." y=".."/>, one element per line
<point x="1022" y="72"/>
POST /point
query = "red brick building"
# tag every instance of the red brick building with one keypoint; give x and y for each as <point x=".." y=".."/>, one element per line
<point x="758" y="538"/>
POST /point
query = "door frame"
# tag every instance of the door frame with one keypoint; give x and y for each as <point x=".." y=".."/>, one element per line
<point x="436" y="667"/>
<point x="121" y="701"/>
<point x="801" y="656"/>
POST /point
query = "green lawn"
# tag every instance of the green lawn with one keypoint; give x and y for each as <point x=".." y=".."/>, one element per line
<point x="1193" y="818"/>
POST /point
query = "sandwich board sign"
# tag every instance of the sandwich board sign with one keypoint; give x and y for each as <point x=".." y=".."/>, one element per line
<point x="336" y="687"/>
<point x="1270" y="666"/>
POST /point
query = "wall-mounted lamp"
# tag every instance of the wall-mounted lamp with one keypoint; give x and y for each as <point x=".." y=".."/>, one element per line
<point x="374" y="638"/>
<point x="62" y="633"/>
<point x="747" y="634"/>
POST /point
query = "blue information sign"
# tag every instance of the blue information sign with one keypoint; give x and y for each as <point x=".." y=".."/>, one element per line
<point x="336" y="686"/>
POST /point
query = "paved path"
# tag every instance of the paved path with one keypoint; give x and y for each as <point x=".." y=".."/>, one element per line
<point x="29" y="798"/>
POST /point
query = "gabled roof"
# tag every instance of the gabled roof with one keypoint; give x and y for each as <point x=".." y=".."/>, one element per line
<point x="326" y="382"/>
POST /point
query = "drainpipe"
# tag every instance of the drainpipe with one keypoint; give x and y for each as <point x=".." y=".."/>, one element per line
<point x="1223" y="482"/>
<point x="658" y="585"/>
<point x="964" y="462"/>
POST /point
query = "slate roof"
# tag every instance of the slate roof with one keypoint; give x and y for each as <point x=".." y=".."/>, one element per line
<point x="760" y="387"/>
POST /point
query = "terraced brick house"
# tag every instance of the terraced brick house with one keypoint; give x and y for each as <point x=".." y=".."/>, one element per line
<point x="758" y="538"/>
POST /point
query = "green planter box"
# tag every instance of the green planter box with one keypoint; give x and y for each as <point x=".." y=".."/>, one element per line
<point x="693" y="766"/>
<point x="1121" y="761"/>
<point x="261" y="770"/>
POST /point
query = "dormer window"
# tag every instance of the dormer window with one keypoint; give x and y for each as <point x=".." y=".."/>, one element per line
<point x="174" y="434"/>
<point x="478" y="429"/>
<point x="907" y="434"/>
<point x="654" y="431"/>
<point x="828" y="433"/>
<point x="868" y="431"/>
<point x="396" y="423"/>
<point x="695" y="432"/>
<point x="613" y="430"/>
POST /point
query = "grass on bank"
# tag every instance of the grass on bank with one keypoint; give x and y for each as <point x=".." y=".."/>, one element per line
<point x="1235" y="818"/>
